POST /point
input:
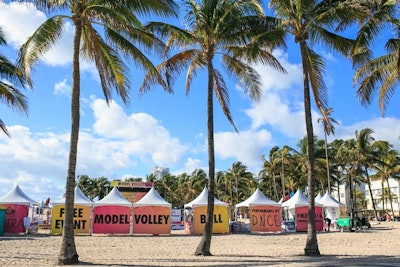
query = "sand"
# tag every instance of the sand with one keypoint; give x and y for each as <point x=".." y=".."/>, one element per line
<point x="378" y="246"/>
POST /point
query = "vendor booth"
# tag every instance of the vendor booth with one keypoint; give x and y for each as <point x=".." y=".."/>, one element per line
<point x="195" y="213"/>
<point x="152" y="214"/>
<point x="82" y="214"/>
<point x="296" y="209"/>
<point x="16" y="204"/>
<point x="265" y="214"/>
<point x="332" y="209"/>
<point x="112" y="214"/>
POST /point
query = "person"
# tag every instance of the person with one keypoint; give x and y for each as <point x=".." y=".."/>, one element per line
<point x="328" y="221"/>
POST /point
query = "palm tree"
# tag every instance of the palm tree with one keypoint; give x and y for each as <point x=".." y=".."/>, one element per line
<point x="383" y="72"/>
<point x="122" y="31"/>
<point x="226" y="30"/>
<point x="9" y="94"/>
<point x="308" y="22"/>
<point x="329" y="129"/>
<point x="366" y="155"/>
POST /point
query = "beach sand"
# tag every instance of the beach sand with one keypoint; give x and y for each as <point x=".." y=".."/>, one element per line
<point x="378" y="246"/>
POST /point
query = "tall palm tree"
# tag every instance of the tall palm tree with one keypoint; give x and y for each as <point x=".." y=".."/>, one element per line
<point x="217" y="29"/>
<point x="240" y="177"/>
<point x="327" y="121"/>
<point x="312" y="22"/>
<point x="365" y="146"/>
<point x="10" y="77"/>
<point x="381" y="73"/>
<point x="122" y="32"/>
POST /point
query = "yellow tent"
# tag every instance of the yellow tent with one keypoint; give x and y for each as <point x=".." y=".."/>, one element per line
<point x="195" y="214"/>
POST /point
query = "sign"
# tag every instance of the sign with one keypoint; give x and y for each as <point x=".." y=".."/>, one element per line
<point x="265" y="219"/>
<point x="151" y="220"/>
<point x="220" y="220"/>
<point x="302" y="219"/>
<point x="132" y="184"/>
<point x="111" y="220"/>
<point x="14" y="219"/>
<point x="81" y="219"/>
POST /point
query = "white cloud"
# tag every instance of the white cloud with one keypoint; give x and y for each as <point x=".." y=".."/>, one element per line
<point x="141" y="134"/>
<point x="62" y="88"/>
<point x="245" y="146"/>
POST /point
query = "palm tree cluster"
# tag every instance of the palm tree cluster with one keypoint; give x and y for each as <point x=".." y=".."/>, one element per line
<point x="228" y="35"/>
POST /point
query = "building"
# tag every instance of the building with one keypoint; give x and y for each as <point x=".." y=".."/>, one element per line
<point x="159" y="172"/>
<point x="384" y="206"/>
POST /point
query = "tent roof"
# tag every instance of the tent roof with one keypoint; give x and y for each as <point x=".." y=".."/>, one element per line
<point x="17" y="196"/>
<point x="327" y="200"/>
<point x="202" y="200"/>
<point x="257" y="199"/>
<point x="114" y="198"/>
<point x="79" y="199"/>
<point x="297" y="200"/>
<point x="152" y="198"/>
<point x="318" y="197"/>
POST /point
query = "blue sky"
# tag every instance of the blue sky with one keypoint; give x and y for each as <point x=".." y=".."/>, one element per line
<point x="158" y="129"/>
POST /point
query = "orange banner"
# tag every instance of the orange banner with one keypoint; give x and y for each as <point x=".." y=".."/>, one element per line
<point x="151" y="220"/>
<point x="265" y="219"/>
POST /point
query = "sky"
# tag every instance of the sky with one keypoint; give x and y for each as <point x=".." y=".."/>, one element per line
<point x="160" y="129"/>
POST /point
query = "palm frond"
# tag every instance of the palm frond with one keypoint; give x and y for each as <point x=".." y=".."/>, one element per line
<point x="222" y="95"/>
<point x="38" y="44"/>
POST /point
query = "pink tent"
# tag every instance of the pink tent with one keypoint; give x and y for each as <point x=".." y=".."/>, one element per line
<point x="111" y="215"/>
<point x="17" y="204"/>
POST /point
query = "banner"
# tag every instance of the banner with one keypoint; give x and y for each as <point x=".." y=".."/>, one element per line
<point x="302" y="219"/>
<point x="152" y="220"/>
<point x="81" y="219"/>
<point x="220" y="223"/>
<point x="14" y="219"/>
<point x="111" y="220"/>
<point x="265" y="219"/>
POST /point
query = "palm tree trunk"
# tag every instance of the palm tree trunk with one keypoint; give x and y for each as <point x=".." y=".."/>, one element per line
<point x="311" y="248"/>
<point x="205" y="243"/>
<point x="68" y="254"/>
<point x="327" y="164"/>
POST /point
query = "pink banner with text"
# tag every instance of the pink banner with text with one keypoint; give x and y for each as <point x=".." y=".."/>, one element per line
<point x="302" y="219"/>
<point x="111" y="220"/>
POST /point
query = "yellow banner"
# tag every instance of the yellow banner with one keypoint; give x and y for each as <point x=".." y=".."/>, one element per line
<point x="220" y="224"/>
<point x="81" y="219"/>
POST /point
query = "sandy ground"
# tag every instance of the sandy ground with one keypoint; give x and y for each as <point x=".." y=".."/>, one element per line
<point x="378" y="246"/>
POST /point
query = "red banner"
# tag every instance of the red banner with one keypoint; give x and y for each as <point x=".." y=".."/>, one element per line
<point x="15" y="218"/>
<point x="302" y="219"/>
<point x="111" y="220"/>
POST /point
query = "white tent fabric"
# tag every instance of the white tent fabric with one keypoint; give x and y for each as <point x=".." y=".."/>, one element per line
<point x="152" y="198"/>
<point x="79" y="199"/>
<point x="114" y="198"/>
<point x="298" y="200"/>
<point x="257" y="199"/>
<point x="327" y="200"/>
<point x="318" y="197"/>
<point x="17" y="196"/>
<point x="202" y="200"/>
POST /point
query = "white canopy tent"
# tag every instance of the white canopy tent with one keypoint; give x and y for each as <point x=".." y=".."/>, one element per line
<point x="258" y="199"/>
<point x="114" y="198"/>
<point x="331" y="206"/>
<point x="152" y="198"/>
<point x="202" y="200"/>
<point x="17" y="196"/>
<point x="79" y="199"/>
